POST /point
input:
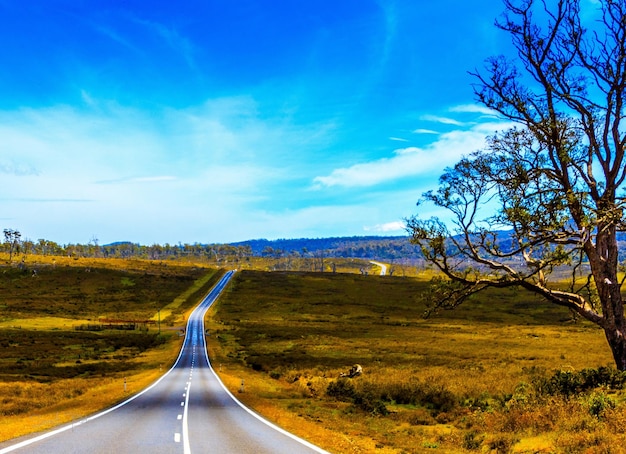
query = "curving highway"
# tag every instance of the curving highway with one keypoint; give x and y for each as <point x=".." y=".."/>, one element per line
<point x="188" y="410"/>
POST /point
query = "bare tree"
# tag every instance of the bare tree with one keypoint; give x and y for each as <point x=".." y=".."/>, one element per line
<point x="12" y="240"/>
<point x="557" y="178"/>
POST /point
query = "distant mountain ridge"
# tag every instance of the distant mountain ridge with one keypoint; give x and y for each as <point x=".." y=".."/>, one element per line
<point x="390" y="248"/>
<point x="367" y="247"/>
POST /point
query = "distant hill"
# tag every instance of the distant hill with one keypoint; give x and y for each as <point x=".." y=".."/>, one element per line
<point x="366" y="247"/>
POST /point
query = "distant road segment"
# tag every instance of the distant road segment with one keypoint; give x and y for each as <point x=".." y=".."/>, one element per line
<point x="383" y="267"/>
<point x="188" y="410"/>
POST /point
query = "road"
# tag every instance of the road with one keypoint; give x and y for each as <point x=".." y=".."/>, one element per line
<point x="383" y="267"/>
<point x="188" y="410"/>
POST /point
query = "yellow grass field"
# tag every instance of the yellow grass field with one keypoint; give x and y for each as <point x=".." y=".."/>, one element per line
<point x="52" y="373"/>
<point x="499" y="374"/>
<point x="465" y="381"/>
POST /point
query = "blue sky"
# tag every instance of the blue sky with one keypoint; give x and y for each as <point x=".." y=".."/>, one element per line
<point x="220" y="121"/>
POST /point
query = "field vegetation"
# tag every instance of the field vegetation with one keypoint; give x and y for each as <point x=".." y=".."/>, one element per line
<point x="519" y="376"/>
<point x="77" y="335"/>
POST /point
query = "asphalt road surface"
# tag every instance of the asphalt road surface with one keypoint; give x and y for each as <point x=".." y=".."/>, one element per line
<point x="187" y="411"/>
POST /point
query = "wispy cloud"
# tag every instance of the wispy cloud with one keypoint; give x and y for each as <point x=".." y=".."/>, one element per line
<point x="425" y="131"/>
<point x="117" y="37"/>
<point x="442" y="120"/>
<point x="398" y="139"/>
<point x="410" y="161"/>
<point x="174" y="40"/>
<point x="215" y="164"/>
<point x="473" y="108"/>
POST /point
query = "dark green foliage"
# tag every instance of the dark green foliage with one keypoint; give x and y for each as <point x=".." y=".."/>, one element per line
<point x="432" y="396"/>
<point x="369" y="400"/>
<point x="598" y="403"/>
<point x="373" y="397"/>
<point x="366" y="398"/>
<point x="140" y="342"/>
<point x="79" y="292"/>
<point x="570" y="383"/>
<point x="70" y="292"/>
<point x="37" y="354"/>
<point x="342" y="389"/>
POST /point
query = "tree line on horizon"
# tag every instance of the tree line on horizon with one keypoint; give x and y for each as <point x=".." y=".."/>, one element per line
<point x="392" y="248"/>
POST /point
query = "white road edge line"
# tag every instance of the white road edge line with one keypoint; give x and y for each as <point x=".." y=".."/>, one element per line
<point x="383" y="267"/>
<point x="52" y="433"/>
<point x="186" y="447"/>
<point x="256" y="415"/>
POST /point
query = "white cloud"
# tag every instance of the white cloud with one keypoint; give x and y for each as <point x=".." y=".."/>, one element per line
<point x="473" y="108"/>
<point x="407" y="150"/>
<point x="398" y="139"/>
<point x="396" y="226"/>
<point x="134" y="172"/>
<point x="411" y="161"/>
<point x="442" y="120"/>
<point x="425" y="131"/>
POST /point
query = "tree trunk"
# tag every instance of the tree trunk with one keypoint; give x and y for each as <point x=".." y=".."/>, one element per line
<point x="617" y="343"/>
<point x="615" y="323"/>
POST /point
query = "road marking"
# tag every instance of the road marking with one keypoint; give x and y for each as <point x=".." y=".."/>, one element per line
<point x="213" y="294"/>
<point x="182" y="404"/>
<point x="186" y="446"/>
<point x="179" y="417"/>
<point x="177" y="437"/>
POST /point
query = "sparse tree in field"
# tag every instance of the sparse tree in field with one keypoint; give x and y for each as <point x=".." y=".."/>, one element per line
<point x="94" y="248"/>
<point x="556" y="179"/>
<point x="12" y="241"/>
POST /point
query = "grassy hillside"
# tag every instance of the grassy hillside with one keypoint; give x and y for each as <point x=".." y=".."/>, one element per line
<point x="78" y="335"/>
<point x="504" y="373"/>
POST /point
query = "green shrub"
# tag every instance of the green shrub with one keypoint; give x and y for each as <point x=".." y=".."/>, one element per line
<point x="370" y="402"/>
<point x="598" y="402"/>
<point x="342" y="389"/>
<point x="366" y="399"/>
<point x="438" y="398"/>
<point x="569" y="383"/>
<point x="603" y="376"/>
<point x="435" y="397"/>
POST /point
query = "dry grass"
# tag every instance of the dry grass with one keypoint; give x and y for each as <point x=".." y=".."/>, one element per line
<point x="29" y="406"/>
<point x="49" y="372"/>
<point x="460" y="382"/>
